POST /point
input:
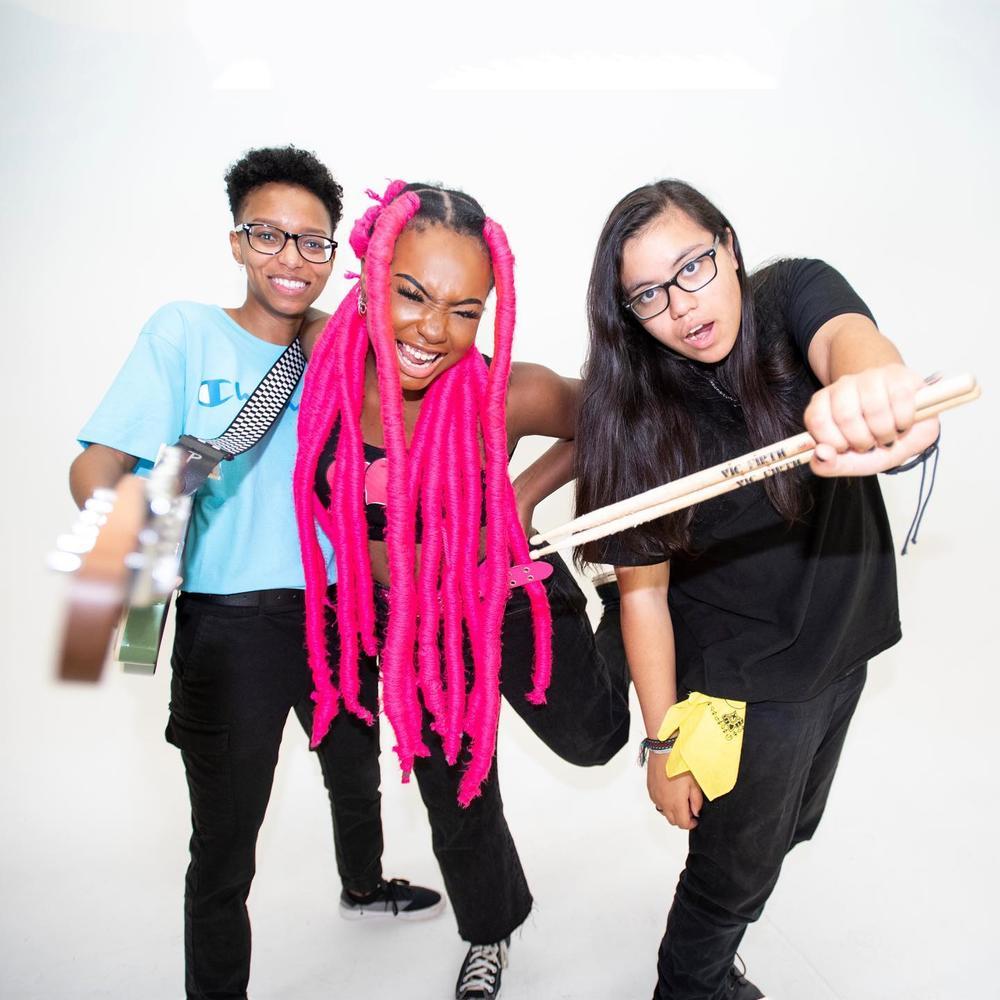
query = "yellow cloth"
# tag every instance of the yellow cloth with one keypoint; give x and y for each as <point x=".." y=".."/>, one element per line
<point x="709" y="741"/>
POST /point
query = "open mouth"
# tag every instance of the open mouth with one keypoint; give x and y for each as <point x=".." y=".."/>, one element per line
<point x="700" y="335"/>
<point x="413" y="361"/>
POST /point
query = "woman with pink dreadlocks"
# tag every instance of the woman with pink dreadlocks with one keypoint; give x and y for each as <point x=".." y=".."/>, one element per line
<point x="406" y="428"/>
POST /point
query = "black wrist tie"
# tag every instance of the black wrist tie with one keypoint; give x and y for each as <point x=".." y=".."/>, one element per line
<point x="922" y="501"/>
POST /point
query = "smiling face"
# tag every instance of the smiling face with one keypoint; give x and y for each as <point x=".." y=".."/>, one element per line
<point x="701" y="325"/>
<point x="284" y="284"/>
<point x="439" y="283"/>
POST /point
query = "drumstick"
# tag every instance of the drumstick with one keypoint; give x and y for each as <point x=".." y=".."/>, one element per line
<point x="926" y="396"/>
<point x="694" y="489"/>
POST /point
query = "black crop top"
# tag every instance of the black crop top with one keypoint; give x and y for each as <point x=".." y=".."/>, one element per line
<point x="375" y="482"/>
<point x="376" y="476"/>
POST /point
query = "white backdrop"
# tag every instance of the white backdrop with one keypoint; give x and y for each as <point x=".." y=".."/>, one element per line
<point x="862" y="133"/>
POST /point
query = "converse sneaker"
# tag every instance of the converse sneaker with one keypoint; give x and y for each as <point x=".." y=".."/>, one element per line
<point x="738" y="987"/>
<point x="395" y="898"/>
<point x="479" y="977"/>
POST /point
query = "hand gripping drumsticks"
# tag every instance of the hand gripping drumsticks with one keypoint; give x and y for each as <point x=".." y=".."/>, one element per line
<point x="749" y="468"/>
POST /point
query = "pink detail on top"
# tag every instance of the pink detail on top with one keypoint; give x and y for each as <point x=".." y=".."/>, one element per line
<point x="376" y="481"/>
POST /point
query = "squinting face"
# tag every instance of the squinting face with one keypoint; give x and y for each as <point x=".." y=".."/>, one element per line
<point x="701" y="325"/>
<point x="284" y="284"/>
<point x="439" y="283"/>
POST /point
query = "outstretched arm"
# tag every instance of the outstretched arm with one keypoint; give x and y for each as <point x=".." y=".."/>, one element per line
<point x="862" y="419"/>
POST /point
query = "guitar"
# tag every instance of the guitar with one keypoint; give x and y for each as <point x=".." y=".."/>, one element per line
<point x="126" y="545"/>
<point x="123" y="553"/>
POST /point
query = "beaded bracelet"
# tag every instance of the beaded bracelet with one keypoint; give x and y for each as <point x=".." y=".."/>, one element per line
<point x="658" y="747"/>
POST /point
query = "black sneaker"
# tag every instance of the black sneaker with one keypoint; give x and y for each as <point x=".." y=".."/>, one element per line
<point x="738" y="987"/>
<point x="479" y="977"/>
<point x="395" y="898"/>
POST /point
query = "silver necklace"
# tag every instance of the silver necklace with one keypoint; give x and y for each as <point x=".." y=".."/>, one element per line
<point x="722" y="392"/>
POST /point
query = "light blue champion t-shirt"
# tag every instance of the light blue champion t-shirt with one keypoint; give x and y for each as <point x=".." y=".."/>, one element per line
<point x="189" y="373"/>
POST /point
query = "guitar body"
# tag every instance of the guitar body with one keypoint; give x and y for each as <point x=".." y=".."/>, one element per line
<point x="140" y="634"/>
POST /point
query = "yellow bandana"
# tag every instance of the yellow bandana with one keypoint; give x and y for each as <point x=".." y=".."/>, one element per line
<point x="709" y="740"/>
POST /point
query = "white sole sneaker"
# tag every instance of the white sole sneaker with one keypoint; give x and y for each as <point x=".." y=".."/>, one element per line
<point x="380" y="912"/>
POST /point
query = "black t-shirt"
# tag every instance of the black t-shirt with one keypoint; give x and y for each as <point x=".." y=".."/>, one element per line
<point x="764" y="610"/>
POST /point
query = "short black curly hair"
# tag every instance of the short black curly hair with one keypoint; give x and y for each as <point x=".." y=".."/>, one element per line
<point x="283" y="165"/>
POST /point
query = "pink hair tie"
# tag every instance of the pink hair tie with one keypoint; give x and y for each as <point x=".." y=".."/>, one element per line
<point x="362" y="231"/>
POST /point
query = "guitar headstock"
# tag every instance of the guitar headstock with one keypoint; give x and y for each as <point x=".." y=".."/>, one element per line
<point x="125" y="546"/>
<point x="67" y="557"/>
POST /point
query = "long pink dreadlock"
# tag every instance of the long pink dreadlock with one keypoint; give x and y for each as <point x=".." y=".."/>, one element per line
<point x="441" y="472"/>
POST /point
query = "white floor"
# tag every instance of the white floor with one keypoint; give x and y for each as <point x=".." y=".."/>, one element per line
<point x="894" y="900"/>
<point x="864" y="133"/>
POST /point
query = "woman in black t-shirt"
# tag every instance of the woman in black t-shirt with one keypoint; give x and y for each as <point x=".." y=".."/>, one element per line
<point x="774" y="596"/>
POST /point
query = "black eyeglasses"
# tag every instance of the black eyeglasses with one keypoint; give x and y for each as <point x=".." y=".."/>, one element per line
<point x="271" y="240"/>
<point x="694" y="275"/>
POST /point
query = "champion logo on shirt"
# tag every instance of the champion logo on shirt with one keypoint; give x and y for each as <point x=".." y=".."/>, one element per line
<point x="216" y="391"/>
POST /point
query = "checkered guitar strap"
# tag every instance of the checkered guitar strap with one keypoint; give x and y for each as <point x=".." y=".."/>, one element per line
<point x="253" y="421"/>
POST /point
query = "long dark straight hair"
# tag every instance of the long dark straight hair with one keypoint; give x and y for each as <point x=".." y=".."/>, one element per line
<point x="635" y="429"/>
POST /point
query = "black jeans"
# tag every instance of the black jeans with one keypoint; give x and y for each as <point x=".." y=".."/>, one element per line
<point x="585" y="719"/>
<point x="237" y="671"/>
<point x="790" y="755"/>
